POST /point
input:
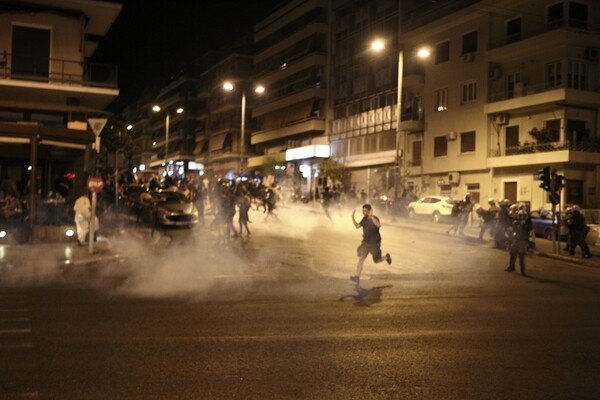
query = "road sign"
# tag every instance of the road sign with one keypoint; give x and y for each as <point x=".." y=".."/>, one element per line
<point x="95" y="184"/>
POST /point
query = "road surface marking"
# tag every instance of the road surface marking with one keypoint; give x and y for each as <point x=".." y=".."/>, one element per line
<point x="13" y="331"/>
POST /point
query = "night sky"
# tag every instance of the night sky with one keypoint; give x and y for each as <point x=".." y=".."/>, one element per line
<point x="152" y="39"/>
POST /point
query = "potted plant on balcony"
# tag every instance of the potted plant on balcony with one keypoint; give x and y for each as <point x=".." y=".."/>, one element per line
<point x="544" y="137"/>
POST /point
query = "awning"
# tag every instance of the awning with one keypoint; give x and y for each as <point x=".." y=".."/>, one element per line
<point x="55" y="136"/>
<point x="200" y="146"/>
<point x="216" y="142"/>
<point x="297" y="112"/>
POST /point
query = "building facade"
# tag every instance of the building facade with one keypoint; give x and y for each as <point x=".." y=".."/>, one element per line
<point x="291" y="61"/>
<point x="501" y="103"/>
<point x="48" y="92"/>
<point x="364" y="129"/>
<point x="489" y="107"/>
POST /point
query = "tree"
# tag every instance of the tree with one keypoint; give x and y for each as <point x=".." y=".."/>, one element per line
<point x="115" y="138"/>
<point x="544" y="135"/>
<point x="335" y="171"/>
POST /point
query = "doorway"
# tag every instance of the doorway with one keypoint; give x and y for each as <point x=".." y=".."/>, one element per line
<point x="510" y="192"/>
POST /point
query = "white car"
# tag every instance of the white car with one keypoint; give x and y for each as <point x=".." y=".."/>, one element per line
<point x="435" y="207"/>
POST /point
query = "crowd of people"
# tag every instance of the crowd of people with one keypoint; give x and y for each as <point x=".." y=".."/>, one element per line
<point x="511" y="228"/>
<point x="224" y="198"/>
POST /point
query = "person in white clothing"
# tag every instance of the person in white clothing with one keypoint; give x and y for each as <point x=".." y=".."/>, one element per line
<point x="83" y="214"/>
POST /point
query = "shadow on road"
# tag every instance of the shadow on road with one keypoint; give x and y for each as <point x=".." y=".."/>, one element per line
<point x="365" y="297"/>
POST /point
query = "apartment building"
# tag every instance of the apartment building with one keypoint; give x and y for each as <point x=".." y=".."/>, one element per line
<point x="511" y="87"/>
<point x="224" y="123"/>
<point x="364" y="129"/>
<point x="49" y="91"/>
<point x="290" y="61"/>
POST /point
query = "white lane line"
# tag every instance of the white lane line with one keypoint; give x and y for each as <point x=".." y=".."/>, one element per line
<point x="13" y="331"/>
<point x="14" y="319"/>
<point x="16" y="346"/>
<point x="24" y="395"/>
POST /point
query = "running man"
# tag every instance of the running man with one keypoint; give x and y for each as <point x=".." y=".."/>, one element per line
<point x="371" y="242"/>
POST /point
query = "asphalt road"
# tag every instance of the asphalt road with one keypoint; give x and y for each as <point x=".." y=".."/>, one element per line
<point x="274" y="316"/>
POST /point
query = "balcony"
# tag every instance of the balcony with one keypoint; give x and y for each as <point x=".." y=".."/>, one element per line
<point x="57" y="83"/>
<point x="539" y="96"/>
<point x="55" y="70"/>
<point x="308" y="125"/>
<point x="583" y="152"/>
<point x="412" y="122"/>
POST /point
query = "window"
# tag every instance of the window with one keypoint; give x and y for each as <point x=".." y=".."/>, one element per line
<point x="469" y="42"/>
<point x="577" y="75"/>
<point x="553" y="128"/>
<point x="442" y="52"/>
<point x="511" y="139"/>
<point x="574" y="191"/>
<point x="554" y="74"/>
<point x="30" y="51"/>
<point x="555" y="15"/>
<point x="513" y="30"/>
<point x="416" y="152"/>
<point x="578" y="15"/>
<point x="467" y="142"/>
<point x="513" y="85"/>
<point x="440" y="146"/>
<point x="440" y="100"/>
<point x="468" y="92"/>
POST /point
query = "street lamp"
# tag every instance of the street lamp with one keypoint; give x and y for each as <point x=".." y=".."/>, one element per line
<point x="259" y="89"/>
<point x="377" y="46"/>
<point x="156" y="108"/>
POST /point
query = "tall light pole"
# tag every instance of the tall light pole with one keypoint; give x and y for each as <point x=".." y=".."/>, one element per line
<point x="259" y="90"/>
<point x="377" y="46"/>
<point x="156" y="108"/>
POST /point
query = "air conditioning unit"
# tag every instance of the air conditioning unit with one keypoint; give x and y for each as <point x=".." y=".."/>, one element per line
<point x="452" y="135"/>
<point x="454" y="178"/>
<point x="591" y="53"/>
<point x="502" y="119"/>
<point x="468" y="57"/>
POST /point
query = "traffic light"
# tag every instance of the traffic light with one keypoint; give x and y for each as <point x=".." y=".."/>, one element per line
<point x="558" y="182"/>
<point x="544" y="176"/>
<point x="554" y="198"/>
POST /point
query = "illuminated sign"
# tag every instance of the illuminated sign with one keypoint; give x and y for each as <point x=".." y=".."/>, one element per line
<point x="302" y="153"/>
<point x="193" y="166"/>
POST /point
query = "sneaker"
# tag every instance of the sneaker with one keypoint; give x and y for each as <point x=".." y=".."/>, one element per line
<point x="355" y="279"/>
<point x="510" y="269"/>
<point x="388" y="258"/>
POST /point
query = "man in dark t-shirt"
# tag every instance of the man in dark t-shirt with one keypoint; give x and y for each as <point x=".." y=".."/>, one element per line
<point x="371" y="242"/>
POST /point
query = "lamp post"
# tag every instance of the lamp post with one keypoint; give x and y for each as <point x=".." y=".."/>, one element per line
<point x="259" y="90"/>
<point x="156" y="108"/>
<point x="377" y="46"/>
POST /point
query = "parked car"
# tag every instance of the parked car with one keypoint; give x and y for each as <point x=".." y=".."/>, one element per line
<point x="542" y="224"/>
<point x="172" y="209"/>
<point x="434" y="207"/>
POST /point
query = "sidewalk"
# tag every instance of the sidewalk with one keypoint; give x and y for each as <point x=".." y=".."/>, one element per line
<point x="544" y="247"/>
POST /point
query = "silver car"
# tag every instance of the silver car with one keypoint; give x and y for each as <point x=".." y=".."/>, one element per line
<point x="174" y="209"/>
<point x="434" y="207"/>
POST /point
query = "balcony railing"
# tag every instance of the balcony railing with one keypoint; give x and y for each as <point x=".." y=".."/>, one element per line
<point x="522" y="90"/>
<point x="589" y="146"/>
<point x="55" y="70"/>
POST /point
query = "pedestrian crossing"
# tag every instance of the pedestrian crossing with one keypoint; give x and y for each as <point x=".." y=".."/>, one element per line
<point x="17" y="367"/>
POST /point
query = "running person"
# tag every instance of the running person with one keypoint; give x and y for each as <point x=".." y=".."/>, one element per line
<point x="371" y="242"/>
